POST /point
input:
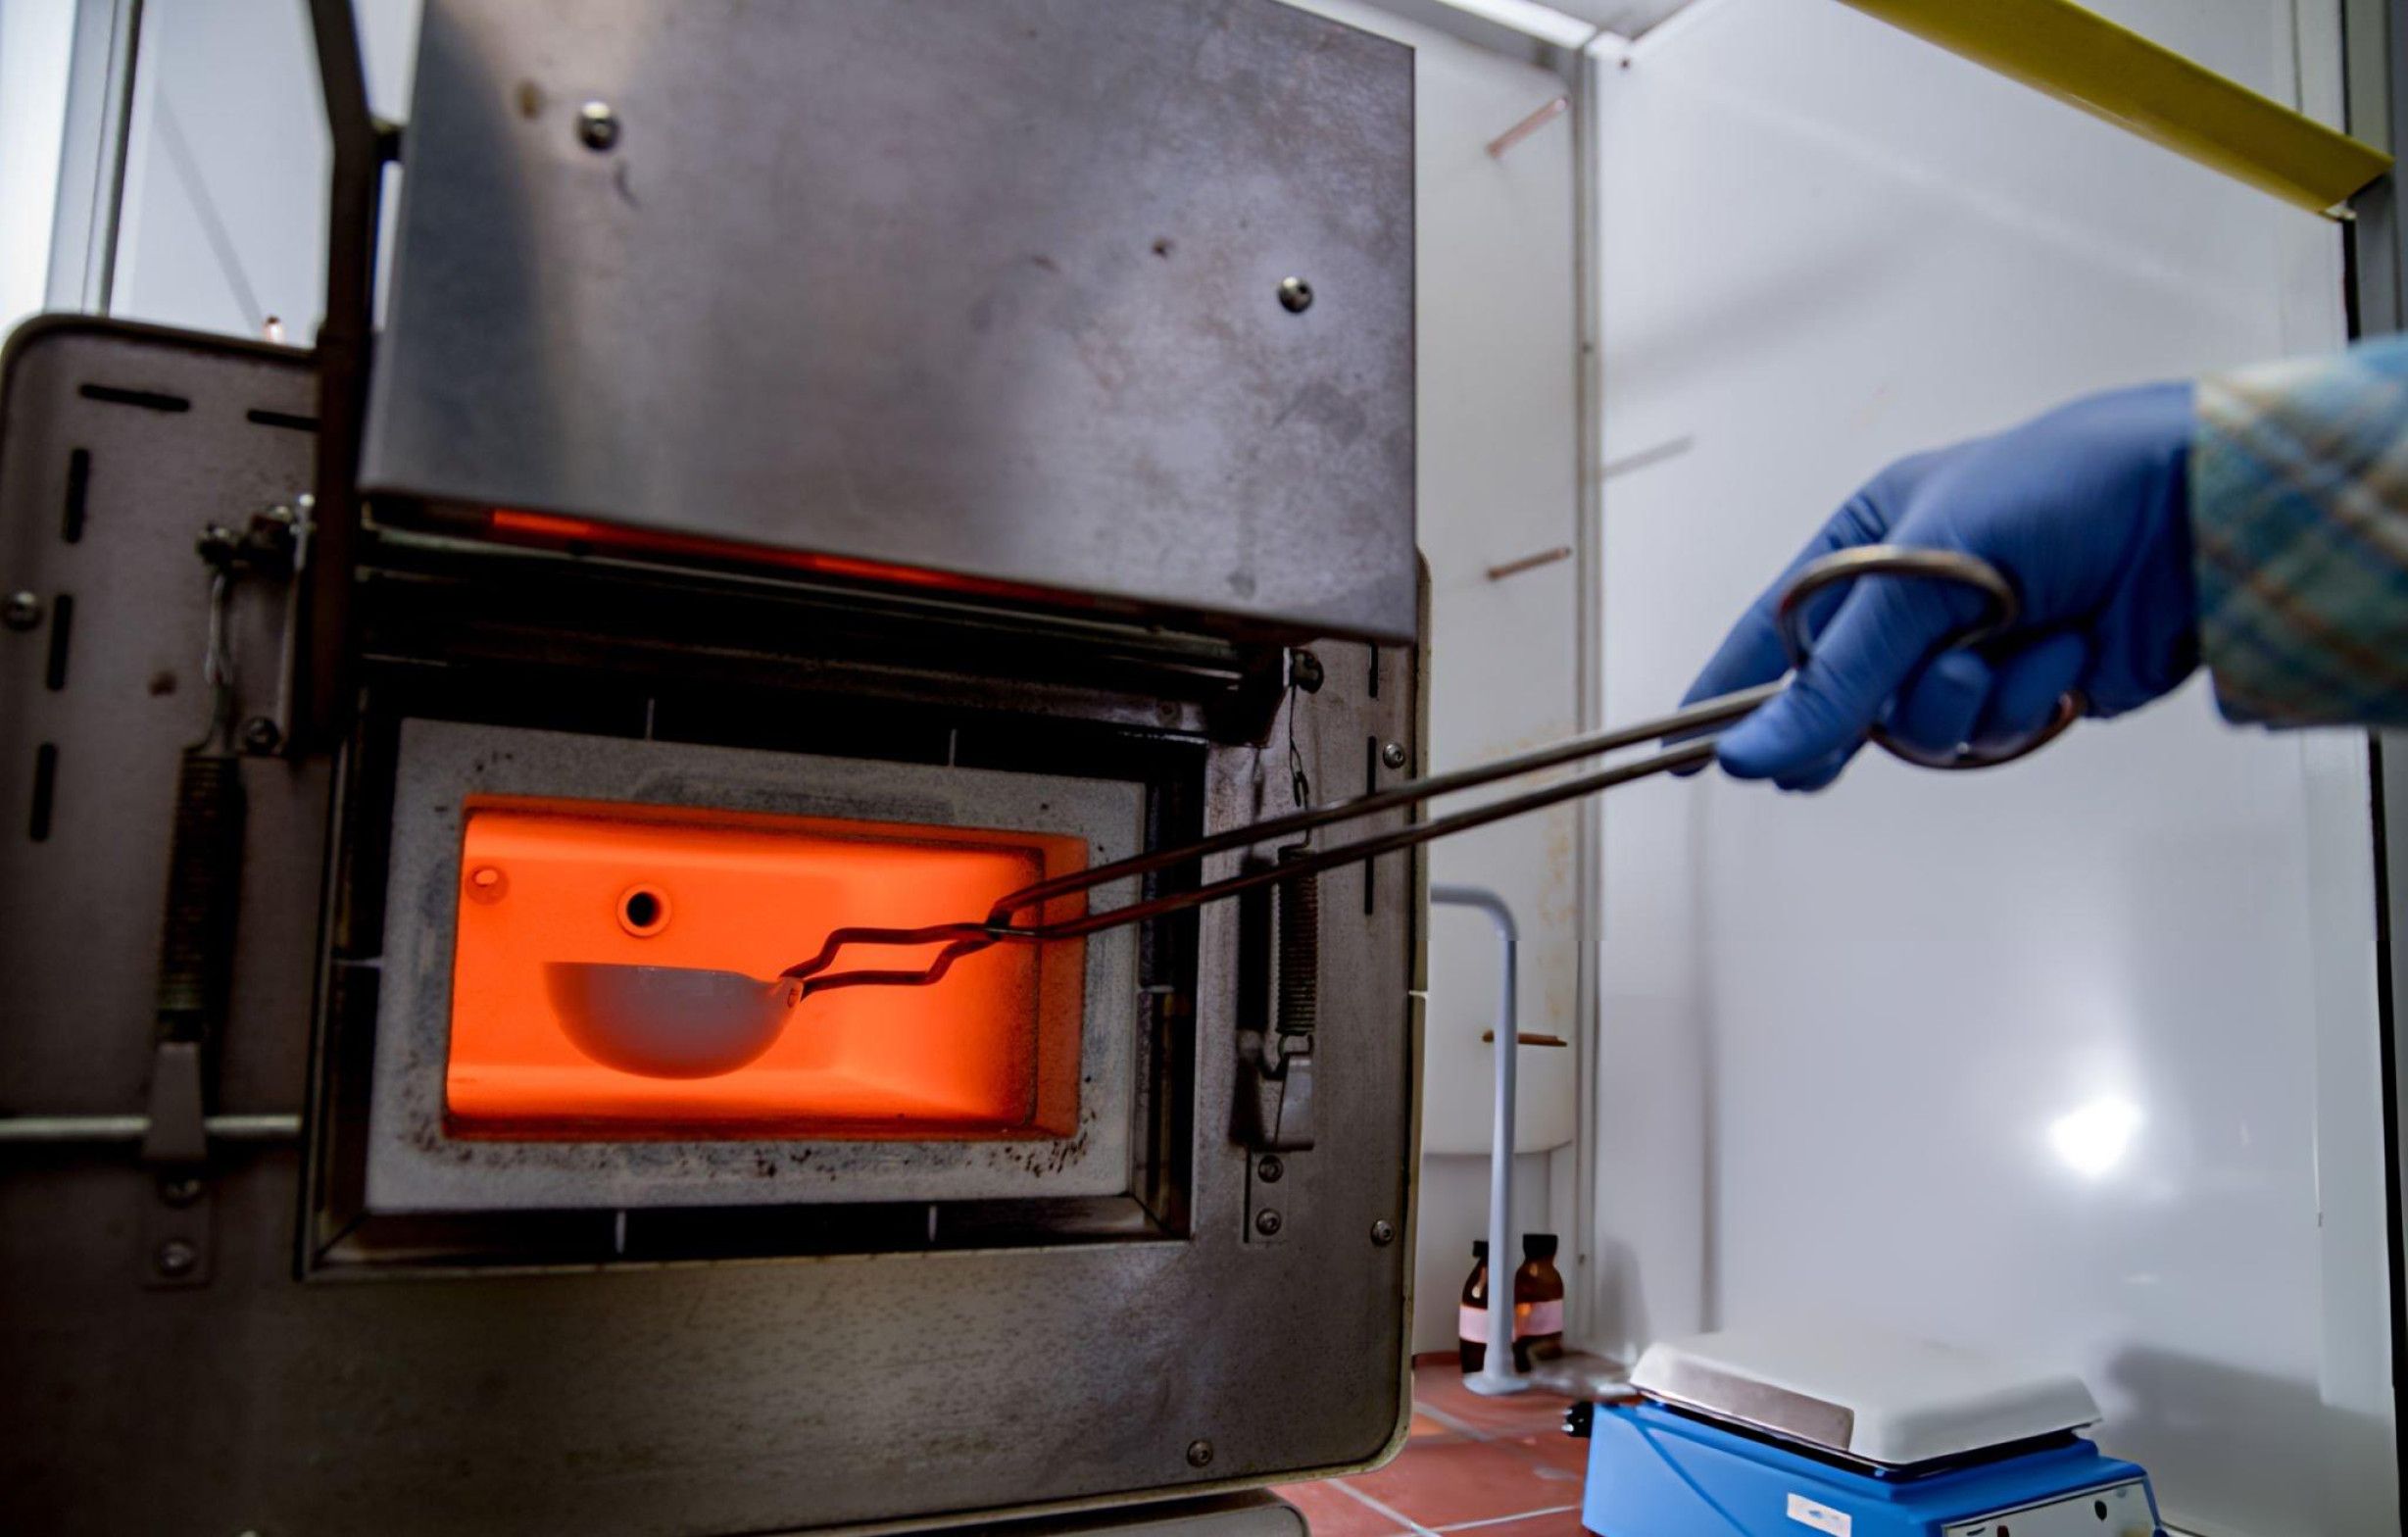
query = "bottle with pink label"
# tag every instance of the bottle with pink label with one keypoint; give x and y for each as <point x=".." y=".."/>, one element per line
<point x="1538" y="1303"/>
<point x="1471" y="1331"/>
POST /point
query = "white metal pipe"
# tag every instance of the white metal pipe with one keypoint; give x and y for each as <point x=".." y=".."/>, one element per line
<point x="1497" y="1374"/>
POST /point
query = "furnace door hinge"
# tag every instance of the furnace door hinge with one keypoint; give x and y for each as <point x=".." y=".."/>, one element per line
<point x="177" y="1212"/>
<point x="195" y="977"/>
<point x="273" y="546"/>
<point x="1276" y="1092"/>
<point x="1277" y="1066"/>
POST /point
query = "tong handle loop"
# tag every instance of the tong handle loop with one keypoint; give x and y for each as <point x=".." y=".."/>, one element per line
<point x="2000" y="610"/>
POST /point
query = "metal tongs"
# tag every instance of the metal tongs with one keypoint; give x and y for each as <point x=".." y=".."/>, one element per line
<point x="665" y="1020"/>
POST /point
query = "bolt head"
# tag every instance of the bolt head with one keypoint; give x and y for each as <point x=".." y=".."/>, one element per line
<point x="598" y="125"/>
<point x="1304" y="670"/>
<point x="175" y="1257"/>
<point x="1200" y="1454"/>
<point x="1295" y="295"/>
<point x="1383" y="1232"/>
<point x="1392" y="755"/>
<point x="1270" y="1168"/>
<point x="1268" y="1222"/>
<point x="179" y="1190"/>
<point x="23" y="611"/>
<point x="262" y="735"/>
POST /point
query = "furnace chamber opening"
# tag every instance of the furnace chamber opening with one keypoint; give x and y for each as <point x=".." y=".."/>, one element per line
<point x="613" y="975"/>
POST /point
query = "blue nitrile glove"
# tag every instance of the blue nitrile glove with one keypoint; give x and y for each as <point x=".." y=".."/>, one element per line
<point x="2084" y="511"/>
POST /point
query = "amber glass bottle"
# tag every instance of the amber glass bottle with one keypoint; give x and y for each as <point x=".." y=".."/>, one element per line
<point x="1471" y="1328"/>
<point x="1538" y="1303"/>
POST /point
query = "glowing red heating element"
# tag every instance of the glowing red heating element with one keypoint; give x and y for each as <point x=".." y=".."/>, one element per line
<point x="557" y="530"/>
<point x="990" y="1052"/>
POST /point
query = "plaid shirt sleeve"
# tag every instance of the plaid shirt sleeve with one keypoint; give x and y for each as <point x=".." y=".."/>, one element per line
<point x="2299" y="529"/>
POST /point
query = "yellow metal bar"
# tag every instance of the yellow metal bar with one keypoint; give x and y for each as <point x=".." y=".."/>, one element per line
<point x="2081" y="58"/>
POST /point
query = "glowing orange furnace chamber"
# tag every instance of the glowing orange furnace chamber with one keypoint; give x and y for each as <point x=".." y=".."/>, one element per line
<point x="991" y="1051"/>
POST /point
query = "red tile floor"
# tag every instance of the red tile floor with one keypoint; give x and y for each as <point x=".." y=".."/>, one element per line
<point x="1496" y="1467"/>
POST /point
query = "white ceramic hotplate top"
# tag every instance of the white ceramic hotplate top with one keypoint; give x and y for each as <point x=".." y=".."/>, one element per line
<point x="1874" y="1397"/>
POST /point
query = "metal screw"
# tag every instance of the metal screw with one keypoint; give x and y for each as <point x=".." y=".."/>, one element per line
<point x="261" y="734"/>
<point x="179" y="1189"/>
<point x="216" y="544"/>
<point x="24" y="611"/>
<point x="1268" y="1222"/>
<point x="1304" y="670"/>
<point x="1295" y="295"/>
<point x="1270" y="1168"/>
<point x="1392" y="755"/>
<point x="1383" y="1232"/>
<point x="176" y="1257"/>
<point x="1200" y="1454"/>
<point x="597" y="126"/>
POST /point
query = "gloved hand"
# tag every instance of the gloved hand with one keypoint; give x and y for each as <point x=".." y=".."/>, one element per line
<point x="2084" y="511"/>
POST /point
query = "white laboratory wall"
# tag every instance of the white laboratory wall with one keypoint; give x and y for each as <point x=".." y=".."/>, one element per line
<point x="2076" y="1060"/>
<point x="35" y="38"/>
<point x="2229" y="36"/>
<point x="1498" y="481"/>
<point x="223" y="221"/>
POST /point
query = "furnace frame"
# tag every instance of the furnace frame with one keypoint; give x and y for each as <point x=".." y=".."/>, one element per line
<point x="220" y="1297"/>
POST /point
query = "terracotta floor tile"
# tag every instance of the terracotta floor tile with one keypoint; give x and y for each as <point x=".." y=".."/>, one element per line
<point x="1446" y="1418"/>
<point x="1444" y="1379"/>
<point x="1552" y="1523"/>
<point x="1439" y="1382"/>
<point x="1444" y="1395"/>
<point x="1552" y="1448"/>
<point x="1333" y="1513"/>
<point x="1568" y="1482"/>
<point x="1493" y="1461"/>
<point x="1527" y="1416"/>
<point x="1444" y="1483"/>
